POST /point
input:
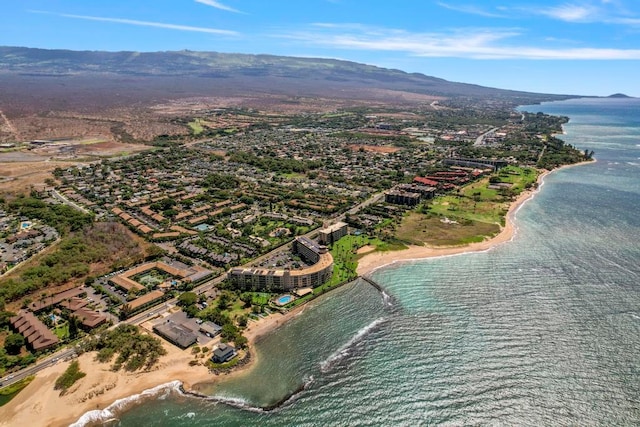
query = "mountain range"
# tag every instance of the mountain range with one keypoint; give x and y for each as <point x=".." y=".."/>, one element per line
<point x="239" y="73"/>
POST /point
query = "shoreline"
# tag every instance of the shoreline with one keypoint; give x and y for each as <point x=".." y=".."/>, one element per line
<point x="371" y="262"/>
<point x="101" y="391"/>
<point x="102" y="394"/>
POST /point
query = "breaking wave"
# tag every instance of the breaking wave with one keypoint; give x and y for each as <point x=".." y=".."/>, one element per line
<point x="240" y="403"/>
<point x="343" y="351"/>
<point x="110" y="412"/>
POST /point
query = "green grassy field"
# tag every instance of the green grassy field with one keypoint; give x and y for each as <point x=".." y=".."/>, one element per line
<point x="293" y="175"/>
<point x="196" y="126"/>
<point x="345" y="256"/>
<point x="419" y="229"/>
<point x="469" y="215"/>
<point x="259" y="298"/>
<point x="62" y="331"/>
<point x="8" y="393"/>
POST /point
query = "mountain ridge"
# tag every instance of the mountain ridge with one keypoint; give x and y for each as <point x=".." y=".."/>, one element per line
<point x="247" y="68"/>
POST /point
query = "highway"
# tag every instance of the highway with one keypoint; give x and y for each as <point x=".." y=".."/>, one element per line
<point x="32" y="370"/>
<point x="480" y="139"/>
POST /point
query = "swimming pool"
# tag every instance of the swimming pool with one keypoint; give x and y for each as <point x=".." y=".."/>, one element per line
<point x="284" y="299"/>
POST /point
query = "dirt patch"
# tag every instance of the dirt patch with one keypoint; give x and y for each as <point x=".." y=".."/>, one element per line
<point x="366" y="249"/>
<point x="20" y="177"/>
<point x="386" y="149"/>
<point x="89" y="148"/>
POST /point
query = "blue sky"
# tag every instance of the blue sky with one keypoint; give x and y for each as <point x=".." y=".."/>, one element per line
<point x="586" y="47"/>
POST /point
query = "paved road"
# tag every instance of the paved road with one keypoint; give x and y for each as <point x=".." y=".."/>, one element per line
<point x="480" y="139"/>
<point x="31" y="370"/>
<point x="68" y="202"/>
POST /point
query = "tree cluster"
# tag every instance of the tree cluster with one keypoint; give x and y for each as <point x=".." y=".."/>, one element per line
<point x="69" y="377"/>
<point x="134" y="350"/>
<point x="271" y="163"/>
<point x="62" y="217"/>
<point x="101" y="242"/>
<point x="557" y="153"/>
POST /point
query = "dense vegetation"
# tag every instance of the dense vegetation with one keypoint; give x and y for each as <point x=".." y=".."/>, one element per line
<point x="69" y="377"/>
<point x="13" y="344"/>
<point x="62" y="217"/>
<point x="557" y="153"/>
<point x="106" y="243"/>
<point x="134" y="350"/>
<point x="8" y="362"/>
<point x="221" y="181"/>
<point x="272" y="163"/>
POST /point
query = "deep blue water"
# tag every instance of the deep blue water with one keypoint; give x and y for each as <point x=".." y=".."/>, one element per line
<point x="543" y="330"/>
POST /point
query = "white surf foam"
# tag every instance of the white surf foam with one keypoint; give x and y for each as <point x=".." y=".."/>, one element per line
<point x="386" y="298"/>
<point x="236" y="402"/>
<point x="109" y="413"/>
<point x="343" y="351"/>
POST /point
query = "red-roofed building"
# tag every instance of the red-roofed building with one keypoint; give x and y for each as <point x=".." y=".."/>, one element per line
<point x="34" y="331"/>
<point x="425" y="181"/>
<point x="89" y="318"/>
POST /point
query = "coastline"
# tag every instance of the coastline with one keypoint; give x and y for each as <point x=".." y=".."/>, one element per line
<point x="375" y="260"/>
<point x="102" y="394"/>
<point x="102" y="391"/>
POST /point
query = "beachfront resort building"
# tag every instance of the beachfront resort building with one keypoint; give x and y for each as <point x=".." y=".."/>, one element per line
<point x="280" y="279"/>
<point x="331" y="234"/>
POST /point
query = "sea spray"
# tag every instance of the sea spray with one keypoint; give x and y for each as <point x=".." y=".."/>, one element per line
<point x="241" y="403"/>
<point x="110" y="412"/>
<point x="387" y="299"/>
<point x="343" y="351"/>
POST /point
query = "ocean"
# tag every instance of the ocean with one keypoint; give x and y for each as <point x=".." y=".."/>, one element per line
<point x="542" y="330"/>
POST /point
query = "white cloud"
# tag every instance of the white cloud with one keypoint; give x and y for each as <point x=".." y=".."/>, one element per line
<point x="573" y="13"/>
<point x="462" y="43"/>
<point x="605" y="12"/>
<point x="470" y="9"/>
<point x="142" y="23"/>
<point x="218" y="5"/>
<point x="627" y="21"/>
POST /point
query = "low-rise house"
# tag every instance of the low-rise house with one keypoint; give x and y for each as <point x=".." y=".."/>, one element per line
<point x="176" y="333"/>
<point x="52" y="300"/>
<point x="210" y="329"/>
<point x="223" y="353"/>
<point x="145" y="300"/>
<point x="89" y="318"/>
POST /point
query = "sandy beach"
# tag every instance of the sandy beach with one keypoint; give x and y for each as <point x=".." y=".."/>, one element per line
<point x="40" y="405"/>
<point x="372" y="261"/>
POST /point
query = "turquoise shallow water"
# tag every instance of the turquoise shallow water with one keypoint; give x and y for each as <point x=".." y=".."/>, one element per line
<point x="543" y="330"/>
